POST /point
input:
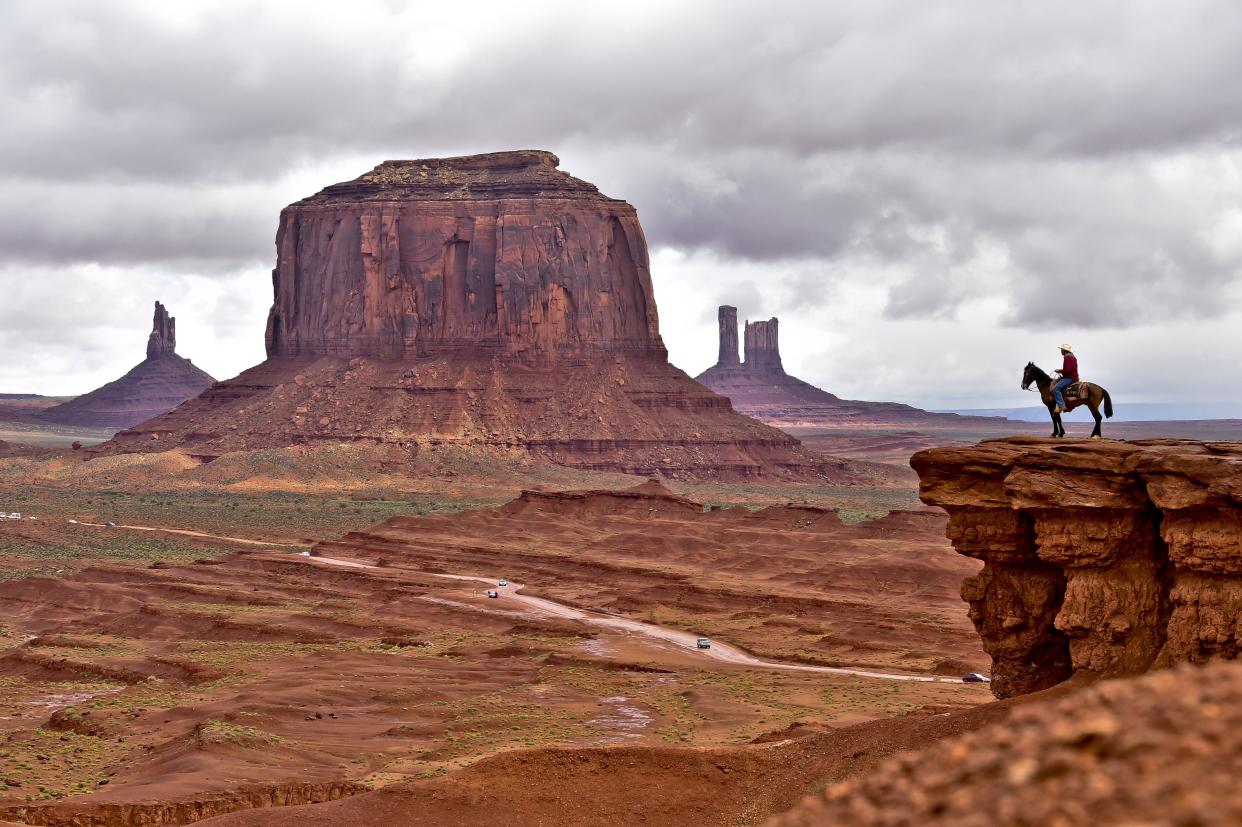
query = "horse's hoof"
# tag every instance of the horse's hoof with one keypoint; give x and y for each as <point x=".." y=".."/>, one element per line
<point x="1097" y="437"/>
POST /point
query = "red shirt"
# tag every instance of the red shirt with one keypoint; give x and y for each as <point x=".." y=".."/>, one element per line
<point x="1070" y="369"/>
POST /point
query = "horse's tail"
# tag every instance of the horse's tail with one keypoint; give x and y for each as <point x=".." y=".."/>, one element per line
<point x="1108" y="404"/>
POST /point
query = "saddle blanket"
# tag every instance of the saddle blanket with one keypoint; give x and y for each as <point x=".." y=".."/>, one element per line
<point x="1078" y="390"/>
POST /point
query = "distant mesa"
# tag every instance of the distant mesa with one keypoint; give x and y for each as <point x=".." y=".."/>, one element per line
<point x="491" y="301"/>
<point x="759" y="386"/>
<point x="155" y="385"/>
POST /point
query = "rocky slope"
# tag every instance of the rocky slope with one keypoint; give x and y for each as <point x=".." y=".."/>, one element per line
<point x="760" y="387"/>
<point x="1162" y="750"/>
<point x="1104" y="557"/>
<point x="487" y="301"/>
<point x="157" y="384"/>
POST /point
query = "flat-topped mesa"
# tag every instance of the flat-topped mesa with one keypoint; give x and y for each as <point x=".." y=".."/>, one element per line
<point x="163" y="338"/>
<point x="492" y="302"/>
<point x="500" y="254"/>
<point x="763" y="350"/>
<point x="1101" y="557"/>
<point x="727" y="319"/>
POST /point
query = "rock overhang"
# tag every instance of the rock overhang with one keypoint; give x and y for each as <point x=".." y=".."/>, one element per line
<point x="1105" y="557"/>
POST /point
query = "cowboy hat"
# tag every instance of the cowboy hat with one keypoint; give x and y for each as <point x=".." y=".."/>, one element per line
<point x="1067" y="347"/>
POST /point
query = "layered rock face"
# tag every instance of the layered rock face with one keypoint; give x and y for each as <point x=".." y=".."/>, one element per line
<point x="498" y="253"/>
<point x="490" y="301"/>
<point x="759" y="386"/>
<point x="1102" y="557"/>
<point x="155" y="385"/>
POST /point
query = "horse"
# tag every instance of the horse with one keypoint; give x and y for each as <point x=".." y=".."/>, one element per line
<point x="1095" y="395"/>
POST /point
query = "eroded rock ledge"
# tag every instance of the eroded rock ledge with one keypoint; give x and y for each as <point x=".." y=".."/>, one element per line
<point x="1107" y="557"/>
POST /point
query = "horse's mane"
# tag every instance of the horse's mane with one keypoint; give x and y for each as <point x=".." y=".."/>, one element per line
<point x="1039" y="372"/>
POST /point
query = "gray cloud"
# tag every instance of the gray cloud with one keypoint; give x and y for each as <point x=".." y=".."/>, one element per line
<point x="1063" y="162"/>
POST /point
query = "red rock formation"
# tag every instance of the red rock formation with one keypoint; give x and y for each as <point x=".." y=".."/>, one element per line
<point x="763" y="350"/>
<point x="1106" y="557"/>
<point x="163" y="338"/>
<point x="491" y="301"/>
<point x="1162" y="749"/>
<point x="155" y="385"/>
<point x="761" y="388"/>
<point x="728" y="337"/>
<point x="499" y="253"/>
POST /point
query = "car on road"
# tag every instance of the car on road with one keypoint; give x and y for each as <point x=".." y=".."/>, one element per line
<point x="73" y="522"/>
<point x="975" y="677"/>
<point x="703" y="643"/>
<point x="493" y="593"/>
<point x="111" y="524"/>
<point x="504" y="582"/>
<point x="15" y="515"/>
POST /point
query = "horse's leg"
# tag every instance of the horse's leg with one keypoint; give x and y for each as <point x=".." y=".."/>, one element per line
<point x="1060" y="426"/>
<point x="1095" y="411"/>
<point x="1053" y="416"/>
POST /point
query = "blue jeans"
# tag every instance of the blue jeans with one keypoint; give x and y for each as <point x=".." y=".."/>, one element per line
<point x="1060" y="386"/>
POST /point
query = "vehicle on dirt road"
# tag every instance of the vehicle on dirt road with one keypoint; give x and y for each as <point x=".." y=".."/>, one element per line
<point x="493" y="593"/>
<point x="504" y="582"/>
<point x="975" y="677"/>
<point x="703" y="643"/>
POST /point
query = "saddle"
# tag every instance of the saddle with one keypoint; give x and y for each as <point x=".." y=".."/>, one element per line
<point x="1078" y="390"/>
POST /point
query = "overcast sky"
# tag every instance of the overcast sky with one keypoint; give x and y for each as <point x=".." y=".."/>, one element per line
<point x="926" y="194"/>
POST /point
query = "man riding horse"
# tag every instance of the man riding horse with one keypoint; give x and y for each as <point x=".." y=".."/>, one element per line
<point x="1068" y="374"/>
<point x="1053" y="392"/>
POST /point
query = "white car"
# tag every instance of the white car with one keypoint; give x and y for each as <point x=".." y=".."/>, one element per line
<point x="703" y="643"/>
<point x="15" y="515"/>
<point x="504" y="582"/>
<point x="493" y="593"/>
<point x="73" y="522"/>
<point x="975" y="677"/>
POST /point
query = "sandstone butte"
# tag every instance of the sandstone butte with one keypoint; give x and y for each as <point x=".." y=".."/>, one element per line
<point x="489" y="301"/>
<point x="1101" y="558"/>
<point x="760" y="387"/>
<point x="157" y="384"/>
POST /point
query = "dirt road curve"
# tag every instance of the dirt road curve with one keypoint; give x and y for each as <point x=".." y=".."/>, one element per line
<point x="540" y="606"/>
<point x="684" y="640"/>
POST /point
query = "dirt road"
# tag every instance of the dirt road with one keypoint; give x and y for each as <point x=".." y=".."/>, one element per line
<point x="537" y="605"/>
<point x="189" y="533"/>
<point x="682" y="640"/>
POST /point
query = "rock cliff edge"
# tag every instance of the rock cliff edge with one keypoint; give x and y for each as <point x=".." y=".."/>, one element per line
<point x="1105" y="557"/>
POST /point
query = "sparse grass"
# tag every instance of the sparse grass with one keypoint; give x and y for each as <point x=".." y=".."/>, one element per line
<point x="22" y="557"/>
<point x="224" y="732"/>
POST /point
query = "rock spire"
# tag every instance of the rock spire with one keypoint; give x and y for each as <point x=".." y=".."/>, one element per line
<point x="728" y="337"/>
<point x="763" y="350"/>
<point x="157" y="384"/>
<point x="163" y="338"/>
<point x="761" y="388"/>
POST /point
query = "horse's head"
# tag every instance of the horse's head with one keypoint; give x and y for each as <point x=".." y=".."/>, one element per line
<point x="1029" y="375"/>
